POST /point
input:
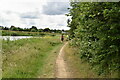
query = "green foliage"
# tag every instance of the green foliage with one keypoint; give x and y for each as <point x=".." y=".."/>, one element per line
<point x="46" y="30"/>
<point x="32" y="29"/>
<point x="96" y="31"/>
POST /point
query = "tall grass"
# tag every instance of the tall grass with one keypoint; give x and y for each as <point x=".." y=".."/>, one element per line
<point x="78" y="68"/>
<point x="26" y="58"/>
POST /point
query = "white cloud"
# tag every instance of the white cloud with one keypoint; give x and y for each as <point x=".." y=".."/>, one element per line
<point x="55" y="8"/>
<point x="21" y="5"/>
<point x="11" y="18"/>
<point x="26" y="13"/>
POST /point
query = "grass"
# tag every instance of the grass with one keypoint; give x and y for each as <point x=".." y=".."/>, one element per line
<point x="25" y="33"/>
<point x="30" y="58"/>
<point x="79" y="68"/>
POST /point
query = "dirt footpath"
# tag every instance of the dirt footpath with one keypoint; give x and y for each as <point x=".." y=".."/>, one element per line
<point x="60" y="65"/>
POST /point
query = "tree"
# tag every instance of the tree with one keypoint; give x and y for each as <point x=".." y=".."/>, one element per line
<point x="13" y="28"/>
<point x="40" y="30"/>
<point x="26" y="29"/>
<point x="33" y="29"/>
<point x="5" y="28"/>
<point x="46" y="30"/>
<point x="20" y="29"/>
<point x="95" y="31"/>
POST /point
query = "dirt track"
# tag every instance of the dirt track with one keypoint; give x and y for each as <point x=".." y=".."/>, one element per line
<point x="60" y="65"/>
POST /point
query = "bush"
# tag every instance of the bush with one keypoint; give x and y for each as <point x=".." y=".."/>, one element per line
<point x="96" y="33"/>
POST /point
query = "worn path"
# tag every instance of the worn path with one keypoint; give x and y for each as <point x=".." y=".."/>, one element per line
<point x="60" y="65"/>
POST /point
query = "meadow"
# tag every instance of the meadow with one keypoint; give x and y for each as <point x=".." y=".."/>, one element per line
<point x="24" y="33"/>
<point x="30" y="58"/>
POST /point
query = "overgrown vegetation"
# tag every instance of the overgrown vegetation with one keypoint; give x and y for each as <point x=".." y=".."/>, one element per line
<point x="95" y="29"/>
<point x="78" y="68"/>
<point x="30" y="58"/>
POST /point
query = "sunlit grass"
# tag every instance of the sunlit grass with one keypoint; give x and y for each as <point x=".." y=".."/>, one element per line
<point x="26" y="58"/>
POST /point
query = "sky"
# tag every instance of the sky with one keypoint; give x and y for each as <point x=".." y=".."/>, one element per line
<point x="39" y="13"/>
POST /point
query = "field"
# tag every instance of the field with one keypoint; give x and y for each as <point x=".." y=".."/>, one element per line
<point x="30" y="58"/>
<point x="23" y="33"/>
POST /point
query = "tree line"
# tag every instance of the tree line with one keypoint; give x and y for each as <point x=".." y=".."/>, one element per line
<point x="95" y="31"/>
<point x="32" y="29"/>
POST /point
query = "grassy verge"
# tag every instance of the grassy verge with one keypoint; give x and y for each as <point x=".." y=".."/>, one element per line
<point x="30" y="58"/>
<point x="79" y="68"/>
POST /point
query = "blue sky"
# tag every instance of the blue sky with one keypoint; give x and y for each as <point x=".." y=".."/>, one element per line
<point x="39" y="13"/>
